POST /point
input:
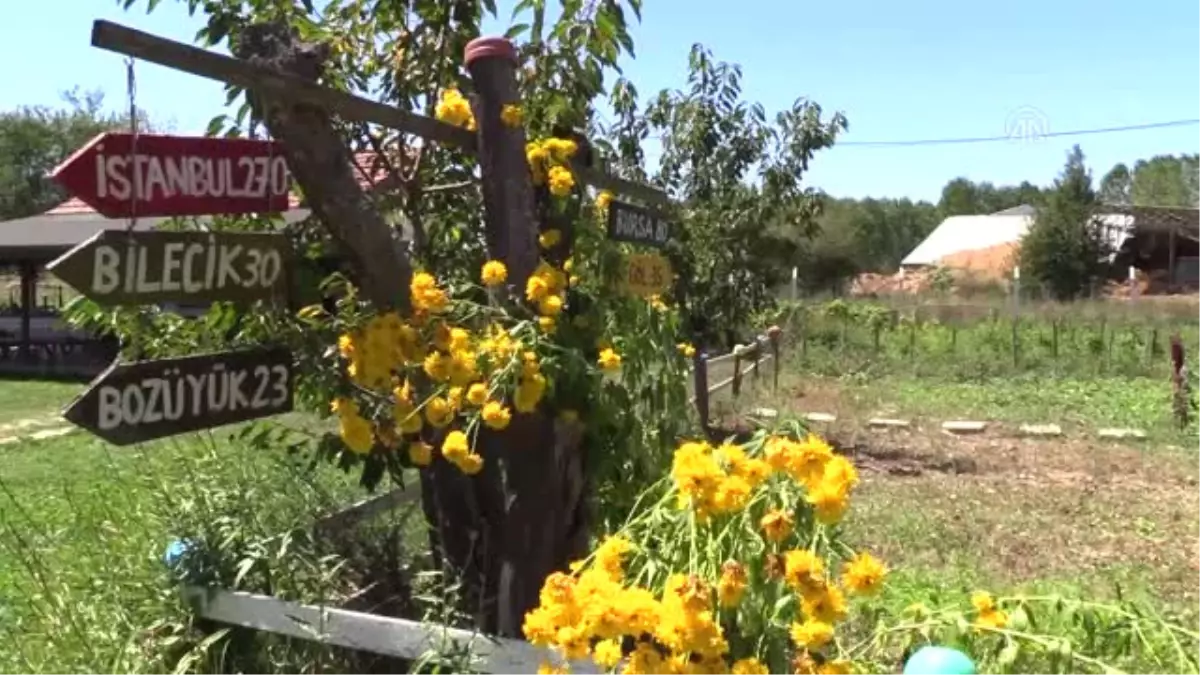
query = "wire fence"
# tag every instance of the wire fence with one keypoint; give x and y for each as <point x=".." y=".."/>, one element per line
<point x="964" y="340"/>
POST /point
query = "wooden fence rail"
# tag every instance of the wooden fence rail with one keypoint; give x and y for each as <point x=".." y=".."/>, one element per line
<point x="387" y="636"/>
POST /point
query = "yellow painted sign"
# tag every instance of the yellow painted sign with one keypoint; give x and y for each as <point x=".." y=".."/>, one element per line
<point x="648" y="274"/>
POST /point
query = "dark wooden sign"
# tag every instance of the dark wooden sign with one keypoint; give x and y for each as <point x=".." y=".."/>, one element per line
<point x="137" y="402"/>
<point x="116" y="267"/>
<point x="176" y="175"/>
<point x="637" y="225"/>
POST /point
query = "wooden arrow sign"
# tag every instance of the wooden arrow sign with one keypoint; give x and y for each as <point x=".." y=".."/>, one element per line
<point x="636" y="225"/>
<point x="116" y="267"/>
<point x="176" y="175"/>
<point x="138" y="402"/>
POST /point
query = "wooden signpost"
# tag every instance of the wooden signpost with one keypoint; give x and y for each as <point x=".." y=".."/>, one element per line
<point x="647" y="274"/>
<point x="637" y="225"/>
<point x="116" y="267"/>
<point x="156" y="175"/>
<point x="137" y="402"/>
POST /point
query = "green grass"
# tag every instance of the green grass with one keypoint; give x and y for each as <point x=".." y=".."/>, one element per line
<point x="1080" y="406"/>
<point x="28" y="399"/>
<point x="83" y="526"/>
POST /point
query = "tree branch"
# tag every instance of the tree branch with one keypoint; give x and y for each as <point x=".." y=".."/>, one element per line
<point x="322" y="165"/>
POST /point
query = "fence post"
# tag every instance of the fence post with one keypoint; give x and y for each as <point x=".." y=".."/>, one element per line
<point x="700" y="375"/>
<point x="773" y="334"/>
<point x="1016" y="318"/>
<point x="736" y="387"/>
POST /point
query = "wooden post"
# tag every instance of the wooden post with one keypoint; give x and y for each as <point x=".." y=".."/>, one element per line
<point x="504" y="530"/>
<point x="700" y="373"/>
<point x="773" y="334"/>
<point x="507" y="185"/>
<point x="736" y="387"/>
<point x="28" y="292"/>
<point x="1171" y="252"/>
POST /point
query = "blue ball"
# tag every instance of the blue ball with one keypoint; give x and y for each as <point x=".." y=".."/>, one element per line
<point x="932" y="660"/>
<point x="174" y="552"/>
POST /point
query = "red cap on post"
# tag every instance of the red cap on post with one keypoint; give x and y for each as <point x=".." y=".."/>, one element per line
<point x="490" y="47"/>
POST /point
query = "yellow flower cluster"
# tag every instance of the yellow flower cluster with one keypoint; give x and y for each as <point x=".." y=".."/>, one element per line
<point x="547" y="288"/>
<point x="512" y="116"/>
<point x="603" y="199"/>
<point x="549" y="164"/>
<point x="686" y="349"/>
<point x="828" y="478"/>
<point x="470" y="375"/>
<point x="715" y="481"/>
<point x="454" y="108"/>
<point x="593" y="612"/>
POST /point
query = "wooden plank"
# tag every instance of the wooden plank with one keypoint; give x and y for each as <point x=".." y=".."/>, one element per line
<point x="620" y="186"/>
<point x="138" y="402"/>
<point x="119" y="267"/>
<point x="189" y="59"/>
<point x="637" y="225"/>
<point x="368" y="508"/>
<point x="366" y="632"/>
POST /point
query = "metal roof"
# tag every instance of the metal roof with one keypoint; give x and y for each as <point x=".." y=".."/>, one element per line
<point x="957" y="234"/>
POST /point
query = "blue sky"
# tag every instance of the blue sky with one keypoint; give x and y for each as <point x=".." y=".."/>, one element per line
<point x="899" y="71"/>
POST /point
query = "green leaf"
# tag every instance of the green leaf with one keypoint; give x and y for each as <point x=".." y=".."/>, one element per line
<point x="516" y="30"/>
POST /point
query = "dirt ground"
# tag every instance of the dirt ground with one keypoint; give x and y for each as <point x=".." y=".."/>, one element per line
<point x="1014" y="510"/>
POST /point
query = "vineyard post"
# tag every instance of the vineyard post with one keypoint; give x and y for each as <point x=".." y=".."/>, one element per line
<point x="1016" y="294"/>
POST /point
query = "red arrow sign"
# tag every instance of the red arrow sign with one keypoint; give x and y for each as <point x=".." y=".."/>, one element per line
<point x="177" y="176"/>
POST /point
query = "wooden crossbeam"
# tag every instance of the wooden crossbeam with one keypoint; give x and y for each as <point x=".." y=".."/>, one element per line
<point x="203" y="63"/>
<point x="179" y="56"/>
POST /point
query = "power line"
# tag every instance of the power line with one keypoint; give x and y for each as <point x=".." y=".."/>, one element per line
<point x="1022" y="135"/>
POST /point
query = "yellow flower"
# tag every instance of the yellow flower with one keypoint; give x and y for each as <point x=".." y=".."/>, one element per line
<point x="550" y="305"/>
<point x="477" y="394"/>
<point x="686" y="349"/>
<point x="994" y="619"/>
<point x="546" y="324"/>
<point x="455" y="446"/>
<point x="607" y="653"/>
<point x="494" y="273"/>
<point x="603" y="199"/>
<point x="983" y="601"/>
<point x="356" y="433"/>
<point x="549" y="238"/>
<point x="529" y="393"/>
<point x="561" y="181"/>
<point x="560" y="149"/>
<point x="749" y="666"/>
<point x="732" y="584"/>
<point x="829" y="502"/>
<point x="547" y="668"/>
<point x="471" y="464"/>
<point x="863" y="574"/>
<point x="656" y="303"/>
<point x="420" y="453"/>
<point x="426" y="295"/>
<point x="834" y="667"/>
<point x="803" y="571"/>
<point x="609" y="360"/>
<point x="812" y="634"/>
<point x="496" y="415"/>
<point x="512" y="115"/>
<point x="536" y="288"/>
<point x="776" y="525"/>
<point x="453" y="108"/>
<point x="827" y="604"/>
<point x="731" y="495"/>
<point x="438" y="412"/>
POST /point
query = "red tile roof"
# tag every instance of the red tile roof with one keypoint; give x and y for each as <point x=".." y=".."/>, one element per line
<point x="370" y="171"/>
